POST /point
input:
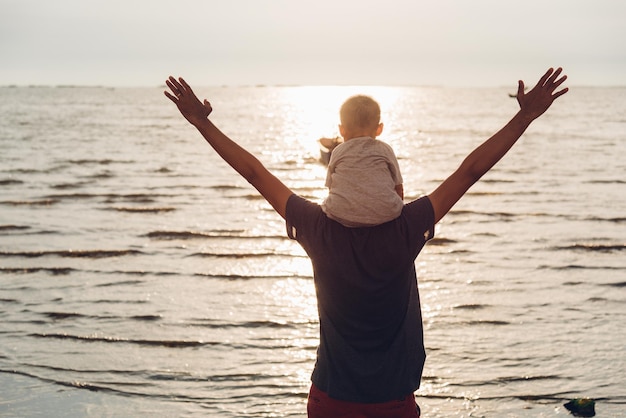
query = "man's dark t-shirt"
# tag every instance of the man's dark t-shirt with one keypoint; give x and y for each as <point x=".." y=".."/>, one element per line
<point x="371" y="338"/>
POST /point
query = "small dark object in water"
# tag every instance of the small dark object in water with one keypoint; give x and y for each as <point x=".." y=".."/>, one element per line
<point x="581" y="407"/>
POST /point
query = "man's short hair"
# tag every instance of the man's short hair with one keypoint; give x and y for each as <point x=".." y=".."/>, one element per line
<point x="360" y="112"/>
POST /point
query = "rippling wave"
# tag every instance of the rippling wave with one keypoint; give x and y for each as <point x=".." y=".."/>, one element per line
<point x="135" y="265"/>
<point x="71" y="253"/>
<point x="594" y="247"/>
<point x="213" y="234"/>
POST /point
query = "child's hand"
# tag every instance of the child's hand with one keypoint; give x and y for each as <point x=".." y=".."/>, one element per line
<point x="534" y="103"/>
<point x="188" y="104"/>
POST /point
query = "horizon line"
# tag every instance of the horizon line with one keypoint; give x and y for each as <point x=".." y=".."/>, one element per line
<point x="261" y="85"/>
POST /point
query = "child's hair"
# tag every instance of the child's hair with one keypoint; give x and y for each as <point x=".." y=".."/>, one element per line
<point x="360" y="112"/>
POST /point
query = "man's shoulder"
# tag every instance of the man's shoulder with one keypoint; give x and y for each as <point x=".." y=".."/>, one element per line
<point x="421" y="204"/>
<point x="301" y="202"/>
<point x="300" y="207"/>
<point x="420" y="215"/>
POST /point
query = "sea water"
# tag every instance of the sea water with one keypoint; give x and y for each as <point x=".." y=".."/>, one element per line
<point x="141" y="276"/>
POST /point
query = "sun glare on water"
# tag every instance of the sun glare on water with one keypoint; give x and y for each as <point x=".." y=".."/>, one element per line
<point x="316" y="108"/>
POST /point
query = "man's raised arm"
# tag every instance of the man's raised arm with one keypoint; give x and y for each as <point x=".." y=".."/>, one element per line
<point x="532" y="105"/>
<point x="246" y="164"/>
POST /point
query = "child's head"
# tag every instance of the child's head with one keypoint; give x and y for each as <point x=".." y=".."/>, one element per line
<point x="360" y="116"/>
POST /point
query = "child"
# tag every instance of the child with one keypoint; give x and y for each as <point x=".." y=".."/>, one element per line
<point x="364" y="181"/>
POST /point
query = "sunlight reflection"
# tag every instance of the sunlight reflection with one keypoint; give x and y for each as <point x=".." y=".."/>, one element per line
<point x="316" y="108"/>
<point x="295" y="299"/>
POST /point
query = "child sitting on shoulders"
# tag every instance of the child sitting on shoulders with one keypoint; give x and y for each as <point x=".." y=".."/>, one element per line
<point x="364" y="181"/>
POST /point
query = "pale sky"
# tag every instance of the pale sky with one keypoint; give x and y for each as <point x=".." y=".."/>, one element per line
<point x="276" y="42"/>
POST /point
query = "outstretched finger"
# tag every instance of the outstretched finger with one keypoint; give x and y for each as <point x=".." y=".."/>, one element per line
<point x="520" y="92"/>
<point x="554" y="75"/>
<point x="560" y="81"/>
<point x="184" y="84"/>
<point x="169" y="96"/>
<point x="559" y="93"/>
<point x="172" y="86"/>
<point x="175" y="86"/>
<point x="175" y="82"/>
<point x="208" y="107"/>
<point x="544" y="78"/>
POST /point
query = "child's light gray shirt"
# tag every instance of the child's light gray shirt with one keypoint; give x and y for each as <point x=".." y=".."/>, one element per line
<point x="362" y="175"/>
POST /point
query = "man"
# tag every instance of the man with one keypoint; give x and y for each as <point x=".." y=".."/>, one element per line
<point x="371" y="352"/>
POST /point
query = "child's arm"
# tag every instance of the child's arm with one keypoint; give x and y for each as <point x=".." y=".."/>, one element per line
<point x="246" y="164"/>
<point x="400" y="190"/>
<point x="532" y="105"/>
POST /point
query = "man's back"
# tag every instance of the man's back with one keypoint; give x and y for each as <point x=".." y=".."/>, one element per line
<point x="371" y="343"/>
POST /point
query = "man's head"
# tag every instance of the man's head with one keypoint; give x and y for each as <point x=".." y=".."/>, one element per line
<point x="360" y="116"/>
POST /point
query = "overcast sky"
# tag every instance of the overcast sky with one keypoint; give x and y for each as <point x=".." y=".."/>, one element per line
<point x="372" y="42"/>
